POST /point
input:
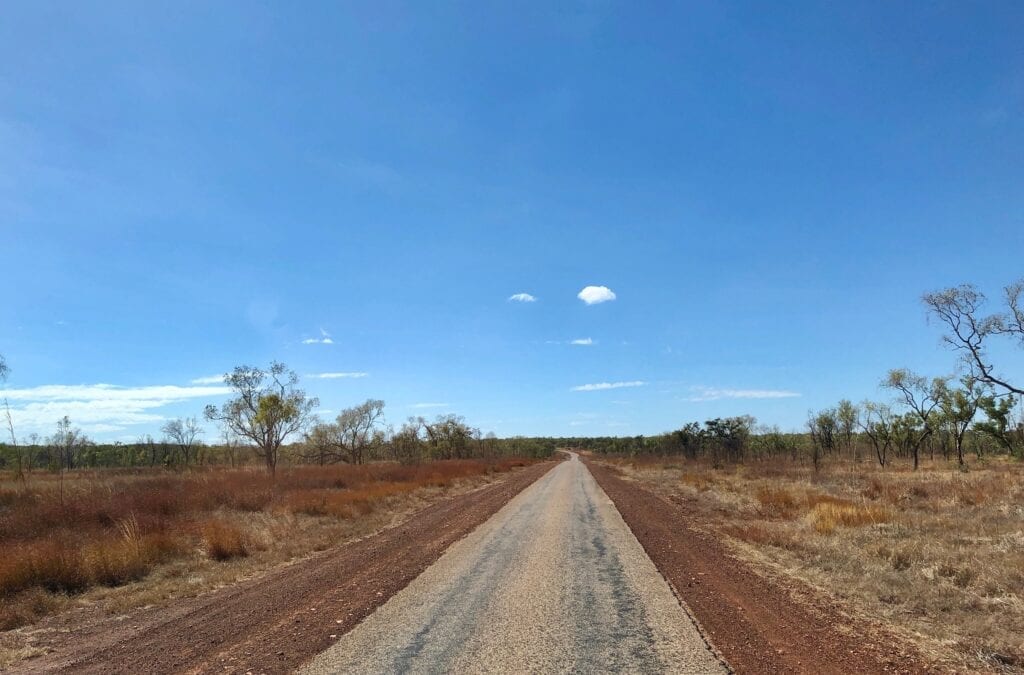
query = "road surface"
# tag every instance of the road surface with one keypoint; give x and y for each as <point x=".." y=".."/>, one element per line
<point x="553" y="582"/>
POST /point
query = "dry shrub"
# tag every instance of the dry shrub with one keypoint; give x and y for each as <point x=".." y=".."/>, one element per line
<point x="696" y="481"/>
<point x="344" y="504"/>
<point x="763" y="534"/>
<point x="27" y="607"/>
<point x="826" y="516"/>
<point x="777" y="502"/>
<point x="223" y="540"/>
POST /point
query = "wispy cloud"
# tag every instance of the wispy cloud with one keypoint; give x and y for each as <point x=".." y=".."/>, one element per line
<point x="324" y="339"/>
<point x="336" y="376"/>
<point x="522" y="297"/>
<point x="209" y="379"/>
<point x="716" y="394"/>
<point x="585" y="342"/>
<point x="98" y="408"/>
<point x="601" y="386"/>
<point x="594" y="295"/>
<point x="429" y="405"/>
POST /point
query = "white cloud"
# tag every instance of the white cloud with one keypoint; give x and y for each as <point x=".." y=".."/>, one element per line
<point x="586" y="342"/>
<point x="593" y="295"/>
<point x="336" y="376"/>
<point x="715" y="394"/>
<point x="522" y="297"/>
<point x="209" y="379"/>
<point x="429" y="405"/>
<point x="97" y="408"/>
<point x="601" y="386"/>
<point x="324" y="339"/>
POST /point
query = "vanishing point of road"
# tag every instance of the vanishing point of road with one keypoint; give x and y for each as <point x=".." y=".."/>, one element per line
<point x="553" y="582"/>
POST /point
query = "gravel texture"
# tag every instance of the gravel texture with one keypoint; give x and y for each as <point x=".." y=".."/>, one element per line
<point x="554" y="582"/>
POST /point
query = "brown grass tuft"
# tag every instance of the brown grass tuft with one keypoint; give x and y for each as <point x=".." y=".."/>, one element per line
<point x="826" y="516"/>
<point x="223" y="540"/>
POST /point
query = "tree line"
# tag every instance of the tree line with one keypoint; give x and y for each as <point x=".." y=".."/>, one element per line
<point x="270" y="419"/>
<point x="978" y="411"/>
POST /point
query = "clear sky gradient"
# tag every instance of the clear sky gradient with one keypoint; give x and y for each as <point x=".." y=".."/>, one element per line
<point x="359" y="188"/>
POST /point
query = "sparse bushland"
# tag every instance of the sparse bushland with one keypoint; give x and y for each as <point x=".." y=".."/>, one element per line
<point x="152" y="530"/>
<point x="936" y="554"/>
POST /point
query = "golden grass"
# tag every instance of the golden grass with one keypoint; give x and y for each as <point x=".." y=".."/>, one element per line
<point x="163" y="534"/>
<point x="937" y="554"/>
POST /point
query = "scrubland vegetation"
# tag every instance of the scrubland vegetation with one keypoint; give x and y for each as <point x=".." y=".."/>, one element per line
<point x="938" y="554"/>
<point x="107" y="528"/>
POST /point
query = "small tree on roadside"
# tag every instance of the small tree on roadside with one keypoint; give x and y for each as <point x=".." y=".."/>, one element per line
<point x="922" y="398"/>
<point x="958" y="407"/>
<point x="183" y="433"/>
<point x="267" y="408"/>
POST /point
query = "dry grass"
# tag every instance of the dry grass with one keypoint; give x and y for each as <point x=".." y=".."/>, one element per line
<point x="938" y="555"/>
<point x="151" y="536"/>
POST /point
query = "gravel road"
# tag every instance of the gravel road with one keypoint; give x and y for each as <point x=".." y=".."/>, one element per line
<point x="553" y="582"/>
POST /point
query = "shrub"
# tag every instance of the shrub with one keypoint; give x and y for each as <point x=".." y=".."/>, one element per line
<point x="223" y="540"/>
<point x="826" y="516"/>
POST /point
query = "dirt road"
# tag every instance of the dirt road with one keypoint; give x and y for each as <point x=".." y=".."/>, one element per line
<point x="554" y="582"/>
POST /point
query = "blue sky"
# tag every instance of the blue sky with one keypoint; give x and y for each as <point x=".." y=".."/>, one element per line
<point x="767" y="191"/>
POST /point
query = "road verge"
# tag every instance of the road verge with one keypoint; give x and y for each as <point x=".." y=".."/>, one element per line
<point x="757" y="626"/>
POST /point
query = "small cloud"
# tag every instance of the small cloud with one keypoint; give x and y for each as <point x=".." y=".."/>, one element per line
<point x="594" y="295"/>
<point x="714" y="394"/>
<point x="522" y="297"/>
<point x="601" y="386"/>
<point x="336" y="376"/>
<point x="324" y="339"/>
<point x="429" y="405"/>
<point x="586" y="342"/>
<point x="209" y="379"/>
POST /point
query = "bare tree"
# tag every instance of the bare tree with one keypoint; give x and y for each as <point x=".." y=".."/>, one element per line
<point x="267" y="409"/>
<point x="969" y="331"/>
<point x="66" y="443"/>
<point x="183" y="433"/>
<point x="921" y="397"/>
<point x="354" y="434"/>
<point x="876" y="423"/>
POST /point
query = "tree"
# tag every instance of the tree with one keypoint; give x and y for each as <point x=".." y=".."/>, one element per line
<point x="822" y="427"/>
<point x="448" y="437"/>
<point x="959" y="406"/>
<point x="359" y="430"/>
<point x="407" y="443"/>
<point x="267" y="409"/>
<point x="876" y="423"/>
<point x="847" y="419"/>
<point x="970" y="332"/>
<point x="1000" y="424"/>
<point x="67" y="444"/>
<point x="921" y="397"/>
<point x="183" y="433"/>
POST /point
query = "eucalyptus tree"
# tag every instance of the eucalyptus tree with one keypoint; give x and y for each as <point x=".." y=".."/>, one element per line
<point x="922" y="398"/>
<point x="970" y="331"/>
<point x="266" y="409"/>
<point x="959" y="406"/>
<point x="876" y="421"/>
